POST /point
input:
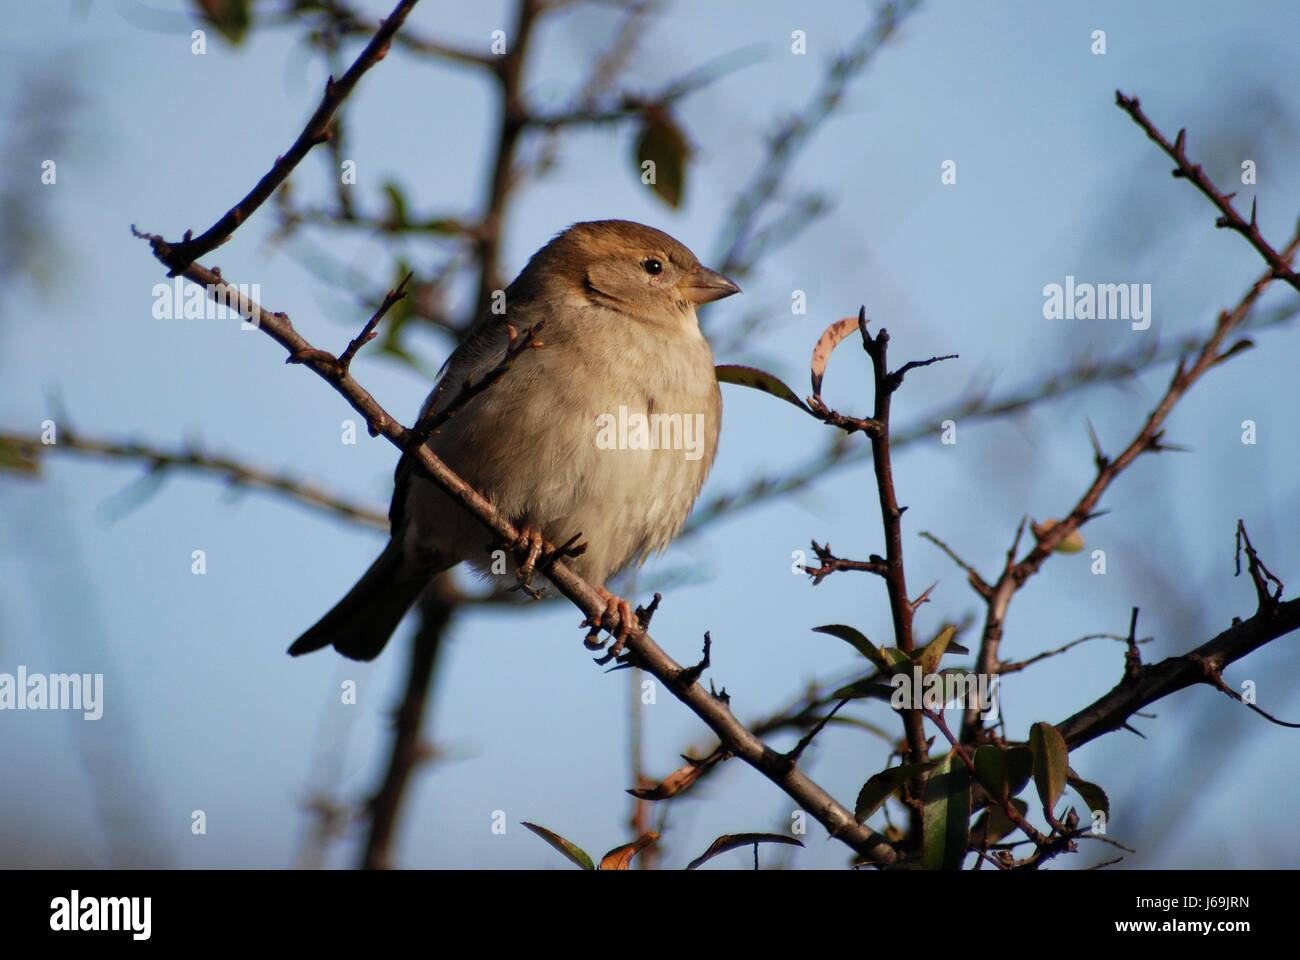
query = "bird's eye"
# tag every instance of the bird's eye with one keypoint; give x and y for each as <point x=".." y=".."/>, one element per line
<point x="652" y="266"/>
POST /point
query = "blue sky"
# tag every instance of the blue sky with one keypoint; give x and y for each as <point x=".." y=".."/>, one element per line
<point x="204" y="711"/>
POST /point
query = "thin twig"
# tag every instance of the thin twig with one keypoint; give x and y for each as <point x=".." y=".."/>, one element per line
<point x="710" y="707"/>
<point x="178" y="256"/>
<point x="1148" y="439"/>
<point x="1230" y="219"/>
<point x="236" y="473"/>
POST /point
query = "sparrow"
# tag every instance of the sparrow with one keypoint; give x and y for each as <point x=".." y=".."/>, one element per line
<point x="604" y="433"/>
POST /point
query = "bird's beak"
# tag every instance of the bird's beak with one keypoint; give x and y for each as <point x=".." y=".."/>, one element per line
<point x="705" y="286"/>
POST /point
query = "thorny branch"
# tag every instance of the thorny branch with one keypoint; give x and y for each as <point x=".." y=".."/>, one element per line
<point x="1149" y="439"/>
<point x="713" y="710"/>
<point x="1230" y="219"/>
<point x="178" y="256"/>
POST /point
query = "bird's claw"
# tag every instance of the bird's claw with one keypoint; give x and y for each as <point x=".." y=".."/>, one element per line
<point x="540" y="556"/>
<point x="530" y="537"/>
<point x="613" y="605"/>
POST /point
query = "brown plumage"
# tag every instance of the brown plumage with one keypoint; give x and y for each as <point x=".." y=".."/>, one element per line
<point x="556" y="444"/>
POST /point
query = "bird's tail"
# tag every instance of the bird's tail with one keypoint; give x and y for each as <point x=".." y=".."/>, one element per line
<point x="361" y="623"/>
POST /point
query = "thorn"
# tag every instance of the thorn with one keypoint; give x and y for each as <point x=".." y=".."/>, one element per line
<point x="1181" y="141"/>
<point x="1252" y="211"/>
<point x="643" y="614"/>
<point x="1096" y="444"/>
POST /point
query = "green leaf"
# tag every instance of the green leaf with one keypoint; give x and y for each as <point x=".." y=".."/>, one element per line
<point x="662" y="144"/>
<point x="868" y="686"/>
<point x="881" y="786"/>
<point x="758" y="380"/>
<point x="888" y="736"/>
<point x="19" y="457"/>
<point x="994" y="824"/>
<point x="1093" y="795"/>
<point x="229" y="17"/>
<point x="897" y="659"/>
<point x="1051" y="762"/>
<point x="858" y="640"/>
<point x="946" y="817"/>
<point x="929" y="655"/>
<point x="730" y="841"/>
<point x="396" y="218"/>
<point x="1003" y="773"/>
<point x="570" y="850"/>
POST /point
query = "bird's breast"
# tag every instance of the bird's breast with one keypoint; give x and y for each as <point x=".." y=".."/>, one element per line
<point x="612" y="444"/>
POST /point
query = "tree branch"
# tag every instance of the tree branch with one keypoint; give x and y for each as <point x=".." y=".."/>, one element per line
<point x="713" y="710"/>
<point x="1230" y="219"/>
<point x="236" y="473"/>
<point x="178" y="256"/>
<point x="1148" y="439"/>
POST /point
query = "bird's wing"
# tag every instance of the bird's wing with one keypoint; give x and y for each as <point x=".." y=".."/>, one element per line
<point x="482" y="349"/>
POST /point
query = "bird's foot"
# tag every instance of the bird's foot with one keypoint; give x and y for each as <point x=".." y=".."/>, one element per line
<point x="626" y="618"/>
<point x="530" y="537"/>
<point x="540" y="556"/>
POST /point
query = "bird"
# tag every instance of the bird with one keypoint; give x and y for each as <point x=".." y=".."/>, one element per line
<point x="604" y="432"/>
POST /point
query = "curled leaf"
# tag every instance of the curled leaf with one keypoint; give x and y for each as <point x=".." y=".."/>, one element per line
<point x="570" y="850"/>
<point x="758" y="380"/>
<point x="830" y="339"/>
<point x="858" y="641"/>
<point x="620" y="857"/>
<point x="730" y="841"/>
<point x="678" y="780"/>
<point x="1093" y="795"/>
